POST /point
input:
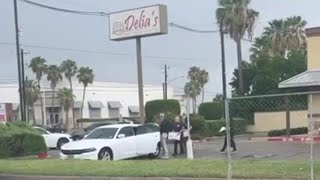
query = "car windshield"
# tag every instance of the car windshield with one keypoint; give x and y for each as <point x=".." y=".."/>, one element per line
<point x="102" y="133"/>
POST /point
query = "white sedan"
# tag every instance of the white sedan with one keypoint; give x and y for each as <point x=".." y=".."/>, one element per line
<point x="53" y="140"/>
<point x="115" y="142"/>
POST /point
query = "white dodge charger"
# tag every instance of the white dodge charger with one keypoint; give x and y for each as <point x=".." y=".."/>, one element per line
<point x="115" y="142"/>
<point x="53" y="140"/>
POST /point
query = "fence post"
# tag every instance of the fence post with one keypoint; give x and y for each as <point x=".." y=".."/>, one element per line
<point x="228" y="131"/>
<point x="287" y="101"/>
<point x="311" y="124"/>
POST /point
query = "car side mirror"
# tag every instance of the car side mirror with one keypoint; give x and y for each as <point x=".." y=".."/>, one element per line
<point x="120" y="136"/>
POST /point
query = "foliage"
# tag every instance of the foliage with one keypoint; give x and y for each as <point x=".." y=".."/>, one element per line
<point x="212" y="110"/>
<point x="154" y="108"/>
<point x="85" y="76"/>
<point x="32" y="95"/>
<point x="193" y="89"/>
<point x="19" y="139"/>
<point x="293" y="131"/>
<point x="200" y="77"/>
<point x="66" y="99"/>
<point x="70" y="69"/>
<point x="53" y="75"/>
<point x="198" y="123"/>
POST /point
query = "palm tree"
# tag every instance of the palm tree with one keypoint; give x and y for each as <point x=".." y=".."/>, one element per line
<point x="194" y="73"/>
<point x="193" y="89"/>
<point x="54" y="76"/>
<point x="38" y="66"/>
<point x="203" y="80"/>
<point x="66" y="99"/>
<point x="32" y="95"/>
<point x="237" y="19"/>
<point x="286" y="35"/>
<point x="85" y="76"/>
<point x="70" y="69"/>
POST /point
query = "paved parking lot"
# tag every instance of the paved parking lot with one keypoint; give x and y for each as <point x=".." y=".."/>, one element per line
<point x="250" y="149"/>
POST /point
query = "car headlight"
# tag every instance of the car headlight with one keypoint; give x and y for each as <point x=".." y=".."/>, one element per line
<point x="89" y="150"/>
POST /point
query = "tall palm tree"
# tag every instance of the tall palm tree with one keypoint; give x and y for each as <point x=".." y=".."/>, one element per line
<point x="70" y="69"/>
<point x="286" y="35"/>
<point x="194" y="73"/>
<point x="193" y="89"/>
<point x="54" y="76"/>
<point x="203" y="80"/>
<point x="66" y="99"/>
<point x="32" y="95"/>
<point x="237" y="19"/>
<point x="38" y="66"/>
<point x="85" y="76"/>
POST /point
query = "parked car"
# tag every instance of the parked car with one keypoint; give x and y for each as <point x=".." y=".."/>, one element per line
<point x="53" y="140"/>
<point x="78" y="134"/>
<point x="115" y="142"/>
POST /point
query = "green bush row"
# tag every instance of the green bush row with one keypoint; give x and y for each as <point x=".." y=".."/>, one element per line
<point x="202" y="128"/>
<point x="293" y="131"/>
<point x="212" y="110"/>
<point x="20" y="139"/>
<point x="170" y="107"/>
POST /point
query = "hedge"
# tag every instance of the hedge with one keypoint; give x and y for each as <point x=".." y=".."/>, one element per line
<point x="155" y="107"/>
<point x="212" y="110"/>
<point x="202" y="128"/>
<point x="19" y="139"/>
<point x="293" y="131"/>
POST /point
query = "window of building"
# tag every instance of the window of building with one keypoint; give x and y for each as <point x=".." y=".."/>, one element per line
<point x="95" y="109"/>
<point x="114" y="109"/>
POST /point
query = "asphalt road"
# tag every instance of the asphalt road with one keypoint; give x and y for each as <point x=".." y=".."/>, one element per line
<point x="250" y="149"/>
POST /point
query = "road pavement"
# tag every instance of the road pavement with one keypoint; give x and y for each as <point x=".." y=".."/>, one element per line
<point x="250" y="149"/>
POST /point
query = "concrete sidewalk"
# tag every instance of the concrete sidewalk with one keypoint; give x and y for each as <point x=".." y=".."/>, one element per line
<point x="27" y="177"/>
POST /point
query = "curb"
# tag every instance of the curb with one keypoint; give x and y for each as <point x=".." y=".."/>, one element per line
<point x="293" y="139"/>
<point x="30" y="177"/>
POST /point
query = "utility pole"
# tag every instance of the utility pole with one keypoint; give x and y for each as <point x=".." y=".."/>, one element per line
<point x="18" y="55"/>
<point x="23" y="85"/>
<point x="165" y="82"/>
<point x="223" y="64"/>
<point x="140" y="81"/>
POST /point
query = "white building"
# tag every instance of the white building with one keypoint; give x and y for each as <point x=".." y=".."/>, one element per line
<point x="102" y="100"/>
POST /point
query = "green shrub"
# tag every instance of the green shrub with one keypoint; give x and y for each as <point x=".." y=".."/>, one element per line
<point x="293" y="131"/>
<point x="19" y="139"/>
<point x="198" y="123"/>
<point x="155" y="107"/>
<point x="211" y="110"/>
<point x="212" y="128"/>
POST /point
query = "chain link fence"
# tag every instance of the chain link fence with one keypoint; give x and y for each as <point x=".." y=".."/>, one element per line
<point x="280" y="127"/>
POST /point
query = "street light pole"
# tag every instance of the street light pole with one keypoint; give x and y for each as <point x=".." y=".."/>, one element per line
<point x="18" y="55"/>
<point x="140" y="80"/>
<point x="165" y="82"/>
<point x="223" y="64"/>
<point x="23" y="86"/>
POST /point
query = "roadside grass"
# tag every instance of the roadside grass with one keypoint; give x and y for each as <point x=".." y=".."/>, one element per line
<point x="245" y="169"/>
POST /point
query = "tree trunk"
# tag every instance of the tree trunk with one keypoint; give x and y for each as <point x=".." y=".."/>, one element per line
<point x="193" y="105"/>
<point x="240" y="69"/>
<point x="41" y="104"/>
<point x="33" y="115"/>
<point x="82" y="103"/>
<point x="66" y="110"/>
<point x="52" y="104"/>
<point x="73" y="118"/>
<point x="202" y="94"/>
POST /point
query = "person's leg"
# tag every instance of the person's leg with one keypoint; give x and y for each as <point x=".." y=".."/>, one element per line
<point x="224" y="144"/>
<point x="175" y="147"/>
<point x="164" y="138"/>
<point x="233" y="144"/>
<point x="182" y="147"/>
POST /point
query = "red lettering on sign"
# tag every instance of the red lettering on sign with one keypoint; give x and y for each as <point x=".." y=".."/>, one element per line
<point x="140" y="23"/>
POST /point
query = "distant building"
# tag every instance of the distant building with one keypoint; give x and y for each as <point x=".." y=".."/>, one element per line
<point x="102" y="100"/>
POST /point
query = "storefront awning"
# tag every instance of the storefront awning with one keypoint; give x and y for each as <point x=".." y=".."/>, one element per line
<point x="95" y="104"/>
<point x="114" y="104"/>
<point x="305" y="79"/>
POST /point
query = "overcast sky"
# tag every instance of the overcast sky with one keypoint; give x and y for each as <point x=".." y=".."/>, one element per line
<point x="179" y="49"/>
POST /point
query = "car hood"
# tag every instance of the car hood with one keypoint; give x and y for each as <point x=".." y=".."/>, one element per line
<point x="85" y="144"/>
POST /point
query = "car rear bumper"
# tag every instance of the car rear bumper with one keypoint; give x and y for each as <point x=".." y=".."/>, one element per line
<point x="84" y="156"/>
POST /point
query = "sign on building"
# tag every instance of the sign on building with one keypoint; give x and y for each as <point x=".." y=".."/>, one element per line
<point x="146" y="21"/>
<point x="3" y="113"/>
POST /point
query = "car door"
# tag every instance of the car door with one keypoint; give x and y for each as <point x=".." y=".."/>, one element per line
<point x="147" y="139"/>
<point x="127" y="144"/>
<point x="46" y="136"/>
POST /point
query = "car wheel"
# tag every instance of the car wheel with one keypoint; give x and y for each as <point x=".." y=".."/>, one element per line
<point x="157" y="153"/>
<point x="105" y="155"/>
<point x="61" y="142"/>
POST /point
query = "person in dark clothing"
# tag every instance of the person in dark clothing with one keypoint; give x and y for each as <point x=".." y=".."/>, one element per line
<point x="178" y="127"/>
<point x="165" y="128"/>
<point x="232" y="143"/>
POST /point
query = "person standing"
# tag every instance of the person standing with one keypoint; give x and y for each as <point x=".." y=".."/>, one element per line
<point x="233" y="144"/>
<point x="165" y="128"/>
<point x="178" y="128"/>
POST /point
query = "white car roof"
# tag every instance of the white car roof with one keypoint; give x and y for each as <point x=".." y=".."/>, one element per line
<point x="119" y="125"/>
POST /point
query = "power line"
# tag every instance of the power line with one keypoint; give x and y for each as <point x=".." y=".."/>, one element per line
<point x="64" y="10"/>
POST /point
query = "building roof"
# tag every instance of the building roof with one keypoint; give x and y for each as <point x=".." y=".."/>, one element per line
<point x="315" y="31"/>
<point x="133" y="109"/>
<point x="95" y="104"/>
<point x="305" y="79"/>
<point x="114" y="104"/>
